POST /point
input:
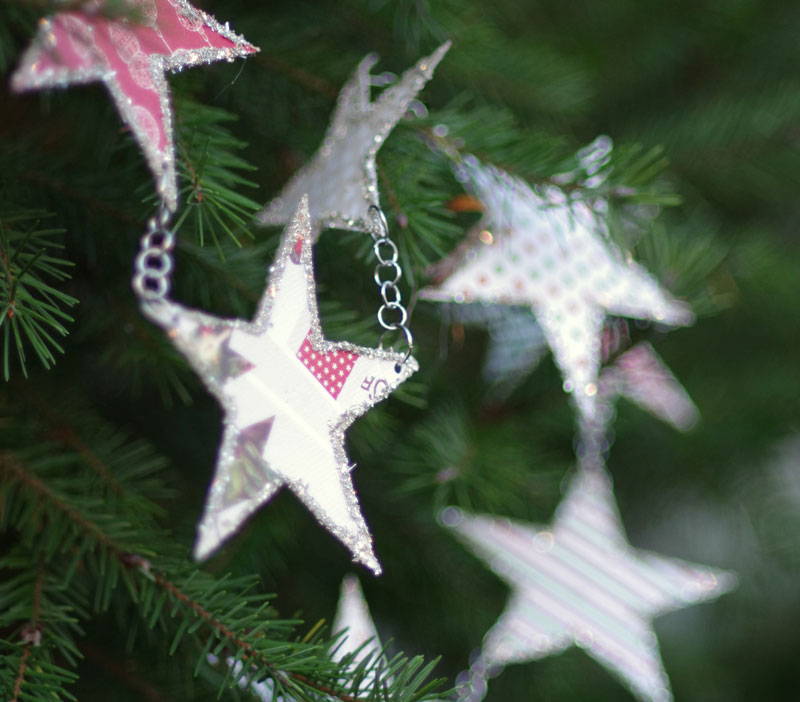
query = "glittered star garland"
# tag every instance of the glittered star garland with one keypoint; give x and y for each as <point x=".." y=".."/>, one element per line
<point x="539" y="249"/>
<point x="341" y="179"/>
<point x="131" y="58"/>
<point x="578" y="582"/>
<point x="288" y="397"/>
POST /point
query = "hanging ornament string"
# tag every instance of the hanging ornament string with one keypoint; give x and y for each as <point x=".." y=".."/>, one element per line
<point x="387" y="274"/>
<point x="154" y="263"/>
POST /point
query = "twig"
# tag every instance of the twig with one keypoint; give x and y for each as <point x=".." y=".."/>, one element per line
<point x="31" y="634"/>
<point x="10" y="465"/>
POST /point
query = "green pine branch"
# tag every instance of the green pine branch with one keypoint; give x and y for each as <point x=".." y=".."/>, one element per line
<point x="211" y="180"/>
<point x="106" y="549"/>
<point x="31" y="308"/>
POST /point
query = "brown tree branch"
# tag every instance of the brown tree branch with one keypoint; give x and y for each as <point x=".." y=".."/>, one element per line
<point x="31" y="635"/>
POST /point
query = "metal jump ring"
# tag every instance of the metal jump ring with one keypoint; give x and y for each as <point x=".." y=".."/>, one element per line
<point x="393" y="325"/>
<point x="143" y="290"/>
<point x="376" y="247"/>
<point x="154" y="261"/>
<point x="377" y="214"/>
<point x="388" y="285"/>
<point x="409" y="341"/>
<point x="383" y="266"/>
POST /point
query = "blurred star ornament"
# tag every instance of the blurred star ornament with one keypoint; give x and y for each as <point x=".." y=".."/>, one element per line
<point x="131" y="57"/>
<point x="341" y="179"/>
<point x="544" y="250"/>
<point x="639" y="375"/>
<point x="352" y="614"/>
<point x="578" y="582"/>
<point x="516" y="343"/>
<point x="288" y="395"/>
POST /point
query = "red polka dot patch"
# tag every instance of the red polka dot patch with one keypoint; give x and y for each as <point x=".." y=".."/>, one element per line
<point x="330" y="369"/>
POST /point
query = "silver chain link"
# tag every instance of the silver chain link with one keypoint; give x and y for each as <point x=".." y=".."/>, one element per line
<point x="153" y="265"/>
<point x="387" y="275"/>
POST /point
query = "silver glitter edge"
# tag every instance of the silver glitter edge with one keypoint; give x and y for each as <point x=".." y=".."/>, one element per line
<point x="158" y="162"/>
<point x="165" y="314"/>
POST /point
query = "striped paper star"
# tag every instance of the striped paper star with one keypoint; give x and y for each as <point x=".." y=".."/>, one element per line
<point x="540" y="249"/>
<point x="341" y="179"/>
<point x="578" y="582"/>
<point x="288" y="396"/>
<point x="131" y="57"/>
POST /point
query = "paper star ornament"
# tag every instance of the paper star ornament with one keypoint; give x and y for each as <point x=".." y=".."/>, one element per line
<point x="578" y="582"/>
<point x="130" y="56"/>
<point x="288" y="396"/>
<point x="539" y="249"/>
<point x="352" y="614"/>
<point x="640" y="375"/>
<point x="341" y="179"/>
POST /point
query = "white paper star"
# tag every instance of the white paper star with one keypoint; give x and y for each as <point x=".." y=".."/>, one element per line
<point x="341" y="179"/>
<point x="282" y="424"/>
<point x="580" y="583"/>
<point x="542" y="250"/>
<point x="131" y="59"/>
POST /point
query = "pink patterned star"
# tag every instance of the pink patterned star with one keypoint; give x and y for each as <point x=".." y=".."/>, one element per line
<point x="130" y="55"/>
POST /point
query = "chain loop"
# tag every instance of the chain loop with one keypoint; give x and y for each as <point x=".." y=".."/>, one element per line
<point x="390" y="293"/>
<point x="153" y="264"/>
<point x="376" y="247"/>
<point x="385" y="289"/>
<point x="384" y="266"/>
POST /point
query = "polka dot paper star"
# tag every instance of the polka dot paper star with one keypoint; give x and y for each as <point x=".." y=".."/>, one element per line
<point x="341" y="179"/>
<point x="578" y="582"/>
<point x="130" y="56"/>
<point x="538" y="249"/>
<point x="288" y="396"/>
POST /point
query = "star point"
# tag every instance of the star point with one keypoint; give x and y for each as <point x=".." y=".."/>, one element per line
<point x="283" y="424"/>
<point x="131" y="59"/>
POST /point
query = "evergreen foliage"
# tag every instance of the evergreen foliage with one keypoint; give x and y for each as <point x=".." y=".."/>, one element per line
<point x="107" y="439"/>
